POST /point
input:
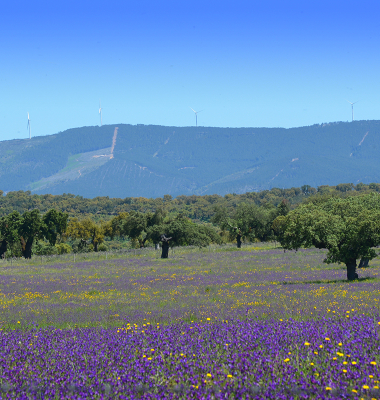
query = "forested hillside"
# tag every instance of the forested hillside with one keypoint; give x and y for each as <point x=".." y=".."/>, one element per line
<point x="23" y="162"/>
<point x="151" y="161"/>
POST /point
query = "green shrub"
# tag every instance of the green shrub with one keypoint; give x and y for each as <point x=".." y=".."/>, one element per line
<point x="44" y="249"/>
<point x="102" y="247"/>
<point x="63" y="248"/>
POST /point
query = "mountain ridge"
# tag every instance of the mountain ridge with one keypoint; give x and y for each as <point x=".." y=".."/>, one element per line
<point x="123" y="160"/>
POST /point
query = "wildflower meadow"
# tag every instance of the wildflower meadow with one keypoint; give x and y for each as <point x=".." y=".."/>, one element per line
<point x="215" y="323"/>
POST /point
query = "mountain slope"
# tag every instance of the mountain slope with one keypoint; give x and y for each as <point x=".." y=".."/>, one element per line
<point x="150" y="161"/>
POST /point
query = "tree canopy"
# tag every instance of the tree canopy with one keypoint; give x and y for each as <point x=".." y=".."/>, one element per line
<point x="348" y="228"/>
<point x="9" y="231"/>
<point x="26" y="228"/>
<point x="184" y="232"/>
<point x="87" y="231"/>
<point x="198" y="208"/>
<point x="249" y="220"/>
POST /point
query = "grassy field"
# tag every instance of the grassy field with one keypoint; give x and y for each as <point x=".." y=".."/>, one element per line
<point x="211" y="323"/>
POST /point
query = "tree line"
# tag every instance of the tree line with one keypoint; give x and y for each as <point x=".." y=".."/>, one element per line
<point x="348" y="227"/>
<point x="21" y="233"/>
<point x="198" y="208"/>
<point x="30" y="231"/>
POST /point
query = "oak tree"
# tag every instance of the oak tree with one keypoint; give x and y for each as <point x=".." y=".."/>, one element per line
<point x="348" y="228"/>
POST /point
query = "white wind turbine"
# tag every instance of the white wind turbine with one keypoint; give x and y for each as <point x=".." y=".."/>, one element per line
<point x="352" y="106"/>
<point x="196" y="116"/>
<point x="28" y="127"/>
<point x="100" y="112"/>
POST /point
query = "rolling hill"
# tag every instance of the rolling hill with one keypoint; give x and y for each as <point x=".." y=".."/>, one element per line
<point x="151" y="161"/>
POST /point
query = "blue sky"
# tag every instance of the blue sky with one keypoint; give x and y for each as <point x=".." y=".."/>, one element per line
<point x="266" y="63"/>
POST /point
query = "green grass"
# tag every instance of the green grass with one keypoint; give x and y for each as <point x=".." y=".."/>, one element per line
<point x="257" y="281"/>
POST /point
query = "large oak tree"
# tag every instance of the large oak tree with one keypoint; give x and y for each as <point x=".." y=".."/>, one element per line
<point x="9" y="231"/>
<point x="348" y="228"/>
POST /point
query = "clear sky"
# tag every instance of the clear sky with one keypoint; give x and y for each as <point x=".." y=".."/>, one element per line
<point x="267" y="63"/>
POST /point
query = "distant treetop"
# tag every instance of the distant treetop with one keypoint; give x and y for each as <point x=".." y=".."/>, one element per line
<point x="200" y="208"/>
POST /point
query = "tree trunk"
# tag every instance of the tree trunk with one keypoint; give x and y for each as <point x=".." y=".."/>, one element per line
<point x="351" y="270"/>
<point x="363" y="263"/>
<point x="165" y="250"/>
<point x="3" y="248"/>
<point x="26" y="247"/>
<point x="238" y="241"/>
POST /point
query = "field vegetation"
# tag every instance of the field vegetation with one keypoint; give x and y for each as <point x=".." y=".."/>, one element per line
<point x="261" y="300"/>
<point x="217" y="322"/>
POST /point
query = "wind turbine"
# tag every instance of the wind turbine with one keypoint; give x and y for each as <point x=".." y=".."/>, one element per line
<point x="352" y="106"/>
<point x="100" y="112"/>
<point x="28" y="127"/>
<point x="196" y="116"/>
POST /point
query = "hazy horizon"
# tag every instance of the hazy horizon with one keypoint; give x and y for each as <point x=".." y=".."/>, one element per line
<point x="244" y="63"/>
